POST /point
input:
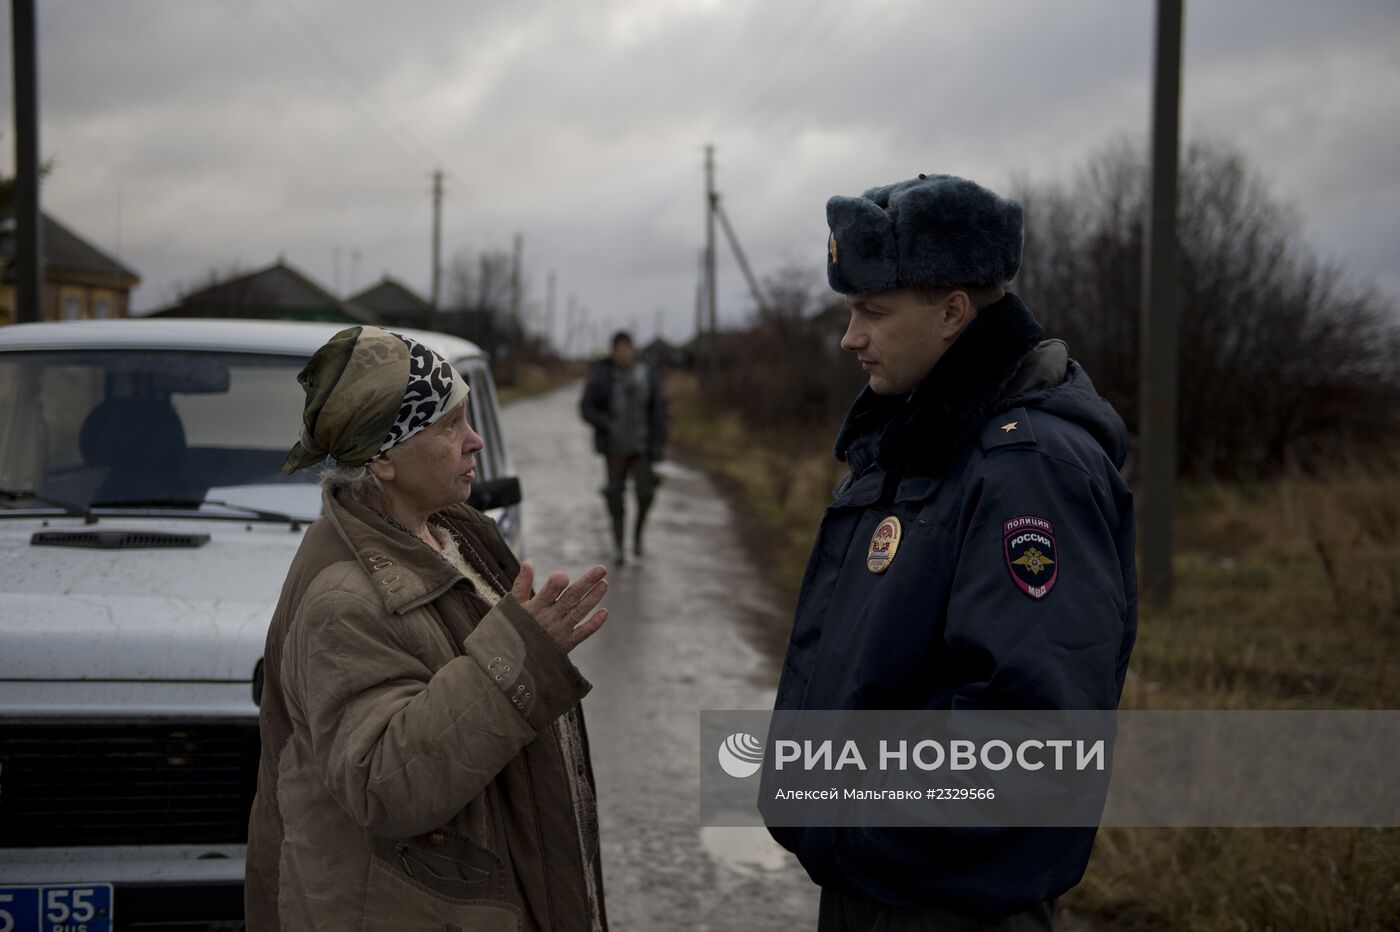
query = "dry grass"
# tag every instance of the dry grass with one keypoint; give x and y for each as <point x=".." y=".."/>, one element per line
<point x="1287" y="596"/>
<point x="1211" y="880"/>
<point x="780" y="482"/>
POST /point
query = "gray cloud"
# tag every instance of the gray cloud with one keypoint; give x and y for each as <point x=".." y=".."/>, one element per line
<point x="238" y="130"/>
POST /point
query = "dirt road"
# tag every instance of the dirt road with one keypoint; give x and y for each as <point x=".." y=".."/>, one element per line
<point x="677" y="641"/>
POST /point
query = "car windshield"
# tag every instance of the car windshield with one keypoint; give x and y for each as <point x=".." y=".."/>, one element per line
<point x="146" y="428"/>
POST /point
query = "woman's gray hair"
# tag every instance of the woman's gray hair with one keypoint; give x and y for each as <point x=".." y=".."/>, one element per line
<point x="358" y="481"/>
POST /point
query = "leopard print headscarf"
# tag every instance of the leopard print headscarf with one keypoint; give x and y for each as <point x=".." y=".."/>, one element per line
<point x="368" y="390"/>
<point x="434" y="387"/>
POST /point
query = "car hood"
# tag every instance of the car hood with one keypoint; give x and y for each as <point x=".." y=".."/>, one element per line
<point x="171" y="615"/>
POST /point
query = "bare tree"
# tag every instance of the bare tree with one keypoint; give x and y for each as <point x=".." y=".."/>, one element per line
<point x="781" y="373"/>
<point x="480" y="282"/>
<point x="1285" y="360"/>
<point x="479" y="307"/>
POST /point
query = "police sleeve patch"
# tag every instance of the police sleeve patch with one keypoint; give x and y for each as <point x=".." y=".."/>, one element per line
<point x="1029" y="544"/>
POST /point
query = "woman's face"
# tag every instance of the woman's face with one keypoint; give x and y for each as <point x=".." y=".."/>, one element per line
<point x="436" y="467"/>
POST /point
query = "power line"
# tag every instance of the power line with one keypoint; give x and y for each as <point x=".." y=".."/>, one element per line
<point x="306" y="30"/>
<point x="769" y="66"/>
<point x="854" y="45"/>
<point x="283" y="48"/>
<point x="781" y="92"/>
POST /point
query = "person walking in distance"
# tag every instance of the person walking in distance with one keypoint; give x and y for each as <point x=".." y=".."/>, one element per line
<point x="624" y="402"/>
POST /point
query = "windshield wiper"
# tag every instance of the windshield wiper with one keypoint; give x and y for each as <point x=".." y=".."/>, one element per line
<point x="192" y="504"/>
<point x="259" y="513"/>
<point x="68" y="508"/>
<point x="86" y="511"/>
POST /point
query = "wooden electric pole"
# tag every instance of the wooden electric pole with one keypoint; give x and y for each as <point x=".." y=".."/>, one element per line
<point x="1161" y="304"/>
<point x="29" y="278"/>
<point x="435" y="288"/>
<point x="711" y="316"/>
<point x="570" y="324"/>
<point x="700" y="304"/>
<point x="550" y="284"/>
<point x="516" y="254"/>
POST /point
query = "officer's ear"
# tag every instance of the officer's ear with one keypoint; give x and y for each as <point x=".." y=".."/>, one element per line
<point x="955" y="312"/>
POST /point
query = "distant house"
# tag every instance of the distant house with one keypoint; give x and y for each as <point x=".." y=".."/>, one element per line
<point x="80" y="280"/>
<point x="396" y="304"/>
<point x="662" y="354"/>
<point x="278" y="292"/>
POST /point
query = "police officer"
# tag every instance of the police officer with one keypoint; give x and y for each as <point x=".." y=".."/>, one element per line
<point x="924" y="589"/>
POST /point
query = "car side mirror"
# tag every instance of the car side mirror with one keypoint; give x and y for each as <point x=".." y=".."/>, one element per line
<point x="489" y="494"/>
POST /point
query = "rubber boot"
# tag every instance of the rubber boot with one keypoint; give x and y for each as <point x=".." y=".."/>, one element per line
<point x="619" y="532"/>
<point x="637" y="529"/>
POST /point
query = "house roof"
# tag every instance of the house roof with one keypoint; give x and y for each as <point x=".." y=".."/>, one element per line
<point x="392" y="298"/>
<point x="278" y="291"/>
<point x="66" y="251"/>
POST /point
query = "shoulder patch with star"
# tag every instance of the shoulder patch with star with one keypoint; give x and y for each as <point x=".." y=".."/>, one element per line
<point x="1008" y="429"/>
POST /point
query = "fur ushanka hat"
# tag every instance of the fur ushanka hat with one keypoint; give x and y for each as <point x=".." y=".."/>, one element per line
<point x="933" y="231"/>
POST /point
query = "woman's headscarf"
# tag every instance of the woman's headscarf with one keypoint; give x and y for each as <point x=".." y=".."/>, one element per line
<point x="368" y="390"/>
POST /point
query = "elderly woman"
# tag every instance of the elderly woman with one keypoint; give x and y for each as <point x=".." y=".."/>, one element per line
<point x="424" y="763"/>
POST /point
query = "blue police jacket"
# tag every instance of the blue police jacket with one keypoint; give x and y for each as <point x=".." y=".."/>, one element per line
<point x="1013" y="586"/>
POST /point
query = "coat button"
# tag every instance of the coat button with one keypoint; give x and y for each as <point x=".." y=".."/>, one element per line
<point x="437" y="839"/>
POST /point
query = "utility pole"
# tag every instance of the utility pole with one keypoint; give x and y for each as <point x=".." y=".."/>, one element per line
<point x="517" y="249"/>
<point x="29" y="278"/>
<point x="570" y="324"/>
<point x="1161" y="303"/>
<point x="712" y="329"/>
<point x="434" y="289"/>
<point x="516" y="338"/>
<point x="117" y="249"/>
<point x="549" y="311"/>
<point x="700" y="304"/>
<point x="485" y="285"/>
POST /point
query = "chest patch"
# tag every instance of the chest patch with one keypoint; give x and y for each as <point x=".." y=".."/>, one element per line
<point x="1031" y="556"/>
<point x="884" y="543"/>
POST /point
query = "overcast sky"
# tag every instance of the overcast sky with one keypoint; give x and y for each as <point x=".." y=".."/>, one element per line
<point x="203" y="134"/>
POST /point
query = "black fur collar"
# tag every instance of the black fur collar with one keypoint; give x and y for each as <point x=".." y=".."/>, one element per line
<point x="923" y="431"/>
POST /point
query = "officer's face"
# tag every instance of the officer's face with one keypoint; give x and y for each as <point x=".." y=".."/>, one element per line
<point x="898" y="336"/>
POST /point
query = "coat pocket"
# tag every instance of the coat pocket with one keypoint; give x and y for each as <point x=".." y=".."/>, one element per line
<point x="439" y="878"/>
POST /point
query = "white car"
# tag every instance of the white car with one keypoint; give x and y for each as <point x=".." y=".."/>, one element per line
<point x="145" y="531"/>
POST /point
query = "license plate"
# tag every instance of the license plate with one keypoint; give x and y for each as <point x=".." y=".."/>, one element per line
<point x="72" y="907"/>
